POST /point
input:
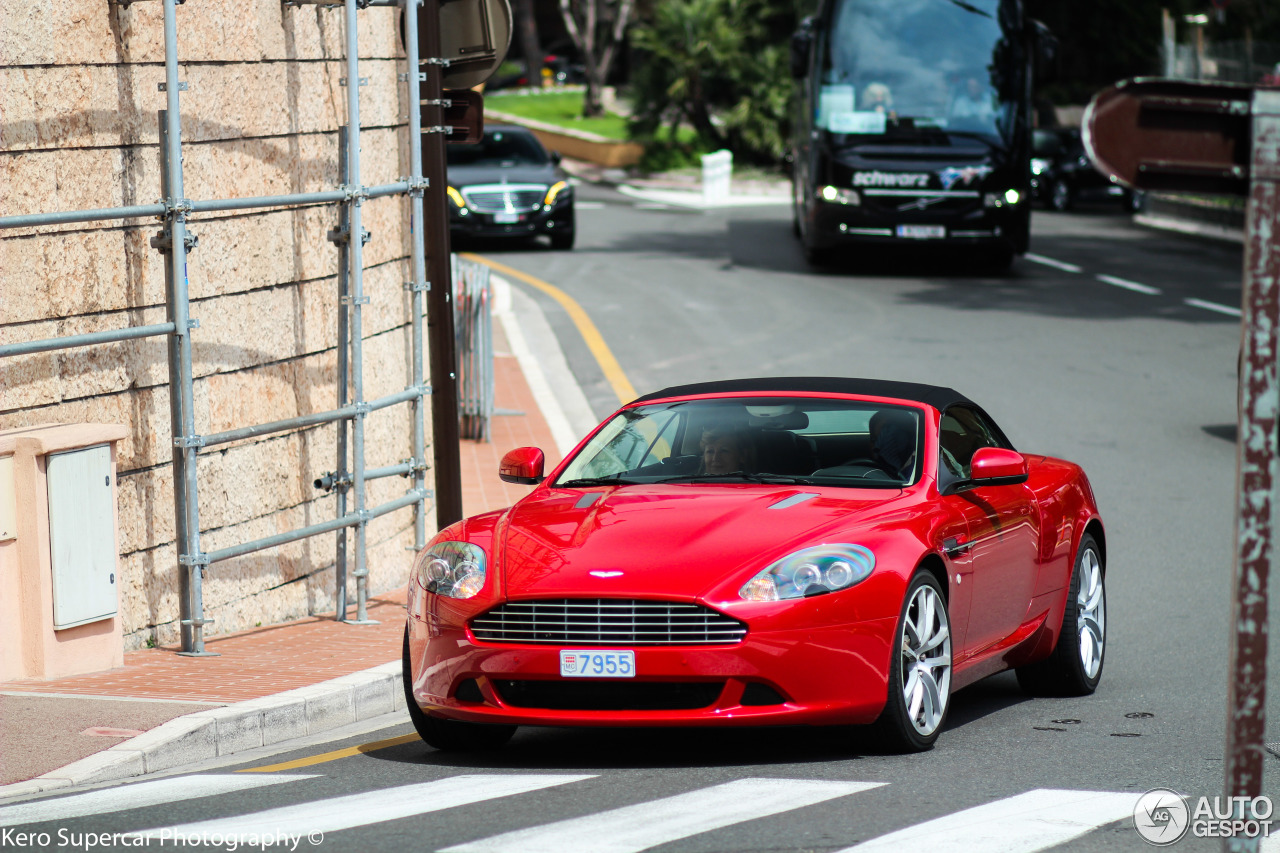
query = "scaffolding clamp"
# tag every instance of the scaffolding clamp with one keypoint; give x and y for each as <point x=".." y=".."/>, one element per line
<point x="196" y="623"/>
<point x="355" y="300"/>
<point x="417" y="185"/>
<point x="331" y="480"/>
<point x="441" y="61"/>
<point x="439" y="102"/>
<point x="415" y="466"/>
<point x="182" y="87"/>
<point x="362" y="408"/>
<point x="163" y="242"/>
<point x="362" y="81"/>
<point x="189" y="441"/>
<point x="354" y="193"/>
<point x="193" y="322"/>
<point x="403" y="77"/>
<point x="439" y="128"/>
<point x="417" y="287"/>
<point x="199" y="558"/>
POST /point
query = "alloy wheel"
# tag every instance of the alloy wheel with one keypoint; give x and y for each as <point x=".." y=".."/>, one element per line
<point x="926" y="660"/>
<point x="1092" y="619"/>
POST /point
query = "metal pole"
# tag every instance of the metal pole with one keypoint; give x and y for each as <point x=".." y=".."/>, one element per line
<point x="444" y="376"/>
<point x="344" y="344"/>
<point x="355" y="251"/>
<point x="1256" y="448"/>
<point x="191" y="561"/>
<point x="418" y="284"/>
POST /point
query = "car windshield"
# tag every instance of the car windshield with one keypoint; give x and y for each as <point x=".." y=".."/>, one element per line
<point x="764" y="440"/>
<point x="499" y="147"/>
<point x="911" y="70"/>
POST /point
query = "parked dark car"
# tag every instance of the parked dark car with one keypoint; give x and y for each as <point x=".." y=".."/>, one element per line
<point x="1061" y="173"/>
<point x="509" y="186"/>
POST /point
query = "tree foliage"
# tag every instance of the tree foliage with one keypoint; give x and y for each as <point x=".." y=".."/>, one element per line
<point x="718" y="67"/>
<point x="597" y="28"/>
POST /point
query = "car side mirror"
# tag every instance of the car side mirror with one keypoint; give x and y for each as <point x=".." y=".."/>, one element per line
<point x="522" y="466"/>
<point x="801" y="46"/>
<point x="555" y="157"/>
<point x="996" y="466"/>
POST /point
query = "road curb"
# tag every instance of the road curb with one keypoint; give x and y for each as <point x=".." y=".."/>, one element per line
<point x="224" y="731"/>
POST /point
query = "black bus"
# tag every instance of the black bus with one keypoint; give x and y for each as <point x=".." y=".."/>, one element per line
<point x="912" y="126"/>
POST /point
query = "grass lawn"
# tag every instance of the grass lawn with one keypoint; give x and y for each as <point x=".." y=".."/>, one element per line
<point x="558" y="107"/>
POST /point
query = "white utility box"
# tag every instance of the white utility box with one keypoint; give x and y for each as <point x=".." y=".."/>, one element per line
<point x="82" y="536"/>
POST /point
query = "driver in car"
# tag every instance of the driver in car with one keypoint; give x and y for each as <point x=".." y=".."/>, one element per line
<point x="893" y="441"/>
<point x="726" y="450"/>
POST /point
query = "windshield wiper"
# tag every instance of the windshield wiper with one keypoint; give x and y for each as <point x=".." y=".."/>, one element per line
<point x="970" y="8"/>
<point x="738" y="475"/>
<point x="615" y="480"/>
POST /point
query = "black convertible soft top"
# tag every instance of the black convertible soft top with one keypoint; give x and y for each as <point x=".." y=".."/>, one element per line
<point x="933" y="395"/>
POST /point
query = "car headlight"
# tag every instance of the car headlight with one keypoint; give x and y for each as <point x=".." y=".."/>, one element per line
<point x="1007" y="198"/>
<point x="456" y="197"/>
<point x="452" y="569"/>
<point x="1039" y="165"/>
<point x="555" y="190"/>
<point x="840" y="195"/>
<point x="811" y="571"/>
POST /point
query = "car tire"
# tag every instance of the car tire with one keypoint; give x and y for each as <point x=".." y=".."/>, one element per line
<point x="563" y="240"/>
<point x="1062" y="196"/>
<point x="449" y="735"/>
<point x="1075" y="666"/>
<point x="919" y="668"/>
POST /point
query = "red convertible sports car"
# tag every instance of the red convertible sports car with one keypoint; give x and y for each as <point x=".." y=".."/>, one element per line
<point x="806" y="551"/>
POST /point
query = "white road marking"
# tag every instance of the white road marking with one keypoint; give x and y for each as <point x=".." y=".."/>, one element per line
<point x="652" y="206"/>
<point x="1028" y="822"/>
<point x="590" y="205"/>
<point x="1050" y="262"/>
<point x="644" y="825"/>
<point x="1137" y="287"/>
<point x="338" y="813"/>
<point x="139" y="795"/>
<point x="1213" y="306"/>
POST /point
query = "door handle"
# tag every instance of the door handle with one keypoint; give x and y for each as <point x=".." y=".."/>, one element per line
<point x="954" y="547"/>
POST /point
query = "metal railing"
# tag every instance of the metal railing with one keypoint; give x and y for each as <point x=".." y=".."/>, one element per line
<point x="175" y="241"/>
<point x="473" y="330"/>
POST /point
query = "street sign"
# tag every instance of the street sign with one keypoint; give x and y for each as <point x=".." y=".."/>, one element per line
<point x="1157" y="134"/>
<point x="474" y="38"/>
<point x="464" y="116"/>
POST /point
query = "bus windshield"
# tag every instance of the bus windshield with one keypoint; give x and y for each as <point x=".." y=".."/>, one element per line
<point x="913" y="68"/>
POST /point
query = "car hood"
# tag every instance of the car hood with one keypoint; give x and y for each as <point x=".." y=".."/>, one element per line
<point x="466" y="176"/>
<point x="672" y="541"/>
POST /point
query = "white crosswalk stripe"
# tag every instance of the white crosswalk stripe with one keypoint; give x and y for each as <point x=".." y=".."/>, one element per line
<point x="1032" y="821"/>
<point x="639" y="827"/>
<point x="347" y="812"/>
<point x="138" y="795"/>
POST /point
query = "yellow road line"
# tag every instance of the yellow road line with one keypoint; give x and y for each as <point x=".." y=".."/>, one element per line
<point x="595" y="341"/>
<point x="332" y="756"/>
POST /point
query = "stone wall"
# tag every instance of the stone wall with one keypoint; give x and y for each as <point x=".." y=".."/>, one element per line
<point x="79" y="97"/>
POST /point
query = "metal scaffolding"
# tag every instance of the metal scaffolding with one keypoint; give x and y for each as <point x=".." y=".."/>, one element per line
<point x="174" y="241"/>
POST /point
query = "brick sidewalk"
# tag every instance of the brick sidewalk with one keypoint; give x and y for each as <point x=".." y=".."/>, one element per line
<point x="269" y="660"/>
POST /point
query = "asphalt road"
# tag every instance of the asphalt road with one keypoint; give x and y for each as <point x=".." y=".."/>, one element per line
<point x="1112" y="346"/>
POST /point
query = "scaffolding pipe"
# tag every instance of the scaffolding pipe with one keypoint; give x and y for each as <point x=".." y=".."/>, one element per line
<point x="344" y="344"/>
<point x="418" y="285"/>
<point x="345" y="413"/>
<point x="314" y="530"/>
<point x="181" y="386"/>
<point x="70" y="217"/>
<point x="355" y="246"/>
<point x="88" y="339"/>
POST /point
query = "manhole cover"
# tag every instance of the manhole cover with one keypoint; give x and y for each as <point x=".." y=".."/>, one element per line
<point x="1139" y="715"/>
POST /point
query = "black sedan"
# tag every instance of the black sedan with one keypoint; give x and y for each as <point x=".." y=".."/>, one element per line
<point x="1061" y="173"/>
<point x="507" y="185"/>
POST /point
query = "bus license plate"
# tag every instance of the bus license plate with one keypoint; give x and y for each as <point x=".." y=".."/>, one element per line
<point x="922" y="232"/>
<point x="578" y="663"/>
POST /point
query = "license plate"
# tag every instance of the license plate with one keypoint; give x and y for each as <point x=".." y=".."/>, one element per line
<point x="922" y="232"/>
<point x="578" y="663"/>
<point x="506" y="218"/>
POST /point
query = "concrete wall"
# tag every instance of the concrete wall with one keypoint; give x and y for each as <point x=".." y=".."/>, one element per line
<point x="78" y="129"/>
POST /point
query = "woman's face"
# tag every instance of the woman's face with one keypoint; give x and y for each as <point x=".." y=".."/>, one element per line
<point x="720" y="455"/>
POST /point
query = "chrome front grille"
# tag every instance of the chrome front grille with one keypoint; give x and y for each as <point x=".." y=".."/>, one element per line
<point x="606" y="621"/>
<point x="499" y="198"/>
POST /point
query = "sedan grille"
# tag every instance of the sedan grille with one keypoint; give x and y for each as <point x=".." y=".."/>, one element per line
<point x="497" y="198"/>
<point x="607" y="621"/>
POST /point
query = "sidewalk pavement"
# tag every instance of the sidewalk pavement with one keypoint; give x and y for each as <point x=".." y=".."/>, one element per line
<point x="162" y="711"/>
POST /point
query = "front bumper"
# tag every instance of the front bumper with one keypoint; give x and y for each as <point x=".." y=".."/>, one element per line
<point x="826" y="676"/>
<point x="835" y="225"/>
<point x="543" y="220"/>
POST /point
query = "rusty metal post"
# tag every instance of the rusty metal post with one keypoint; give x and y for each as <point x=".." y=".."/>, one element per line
<point x="435" y="233"/>
<point x="1257" y="450"/>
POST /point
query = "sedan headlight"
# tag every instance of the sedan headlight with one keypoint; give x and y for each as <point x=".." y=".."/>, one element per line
<point x="456" y="197"/>
<point x="555" y="190"/>
<point x="453" y="569"/>
<point x="811" y="571"/>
